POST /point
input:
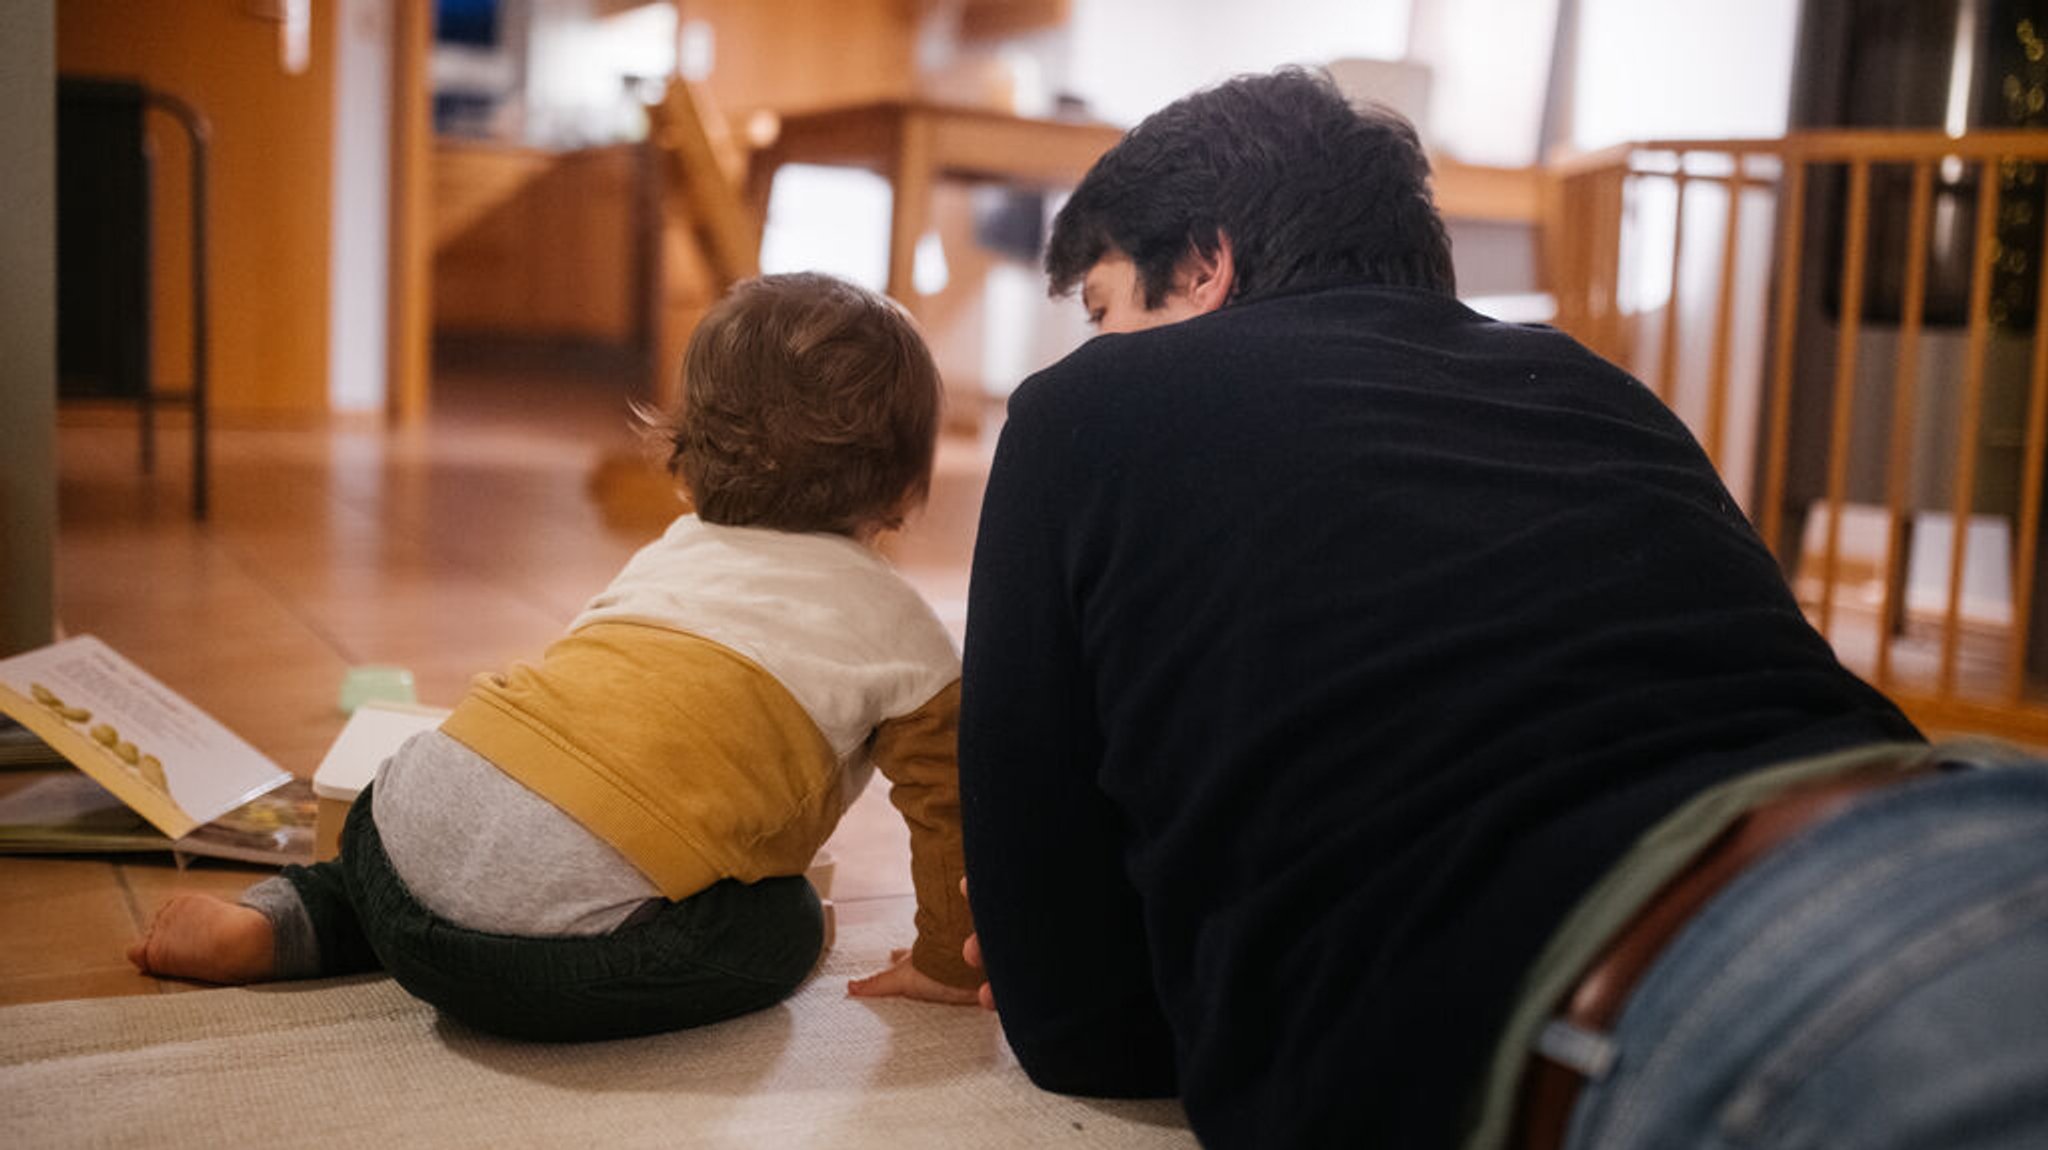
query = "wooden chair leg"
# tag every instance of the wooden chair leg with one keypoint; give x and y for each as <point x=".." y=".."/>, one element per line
<point x="1900" y="576"/>
<point x="199" y="488"/>
<point x="148" y="422"/>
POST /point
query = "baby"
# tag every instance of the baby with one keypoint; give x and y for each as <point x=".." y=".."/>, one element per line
<point x="612" y="841"/>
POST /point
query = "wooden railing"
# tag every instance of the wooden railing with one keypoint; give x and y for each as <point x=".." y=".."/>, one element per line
<point x="1763" y="333"/>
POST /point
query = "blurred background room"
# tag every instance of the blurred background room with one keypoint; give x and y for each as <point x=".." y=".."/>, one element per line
<point x="323" y="317"/>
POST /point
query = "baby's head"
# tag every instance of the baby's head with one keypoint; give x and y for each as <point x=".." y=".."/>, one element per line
<point x="808" y="404"/>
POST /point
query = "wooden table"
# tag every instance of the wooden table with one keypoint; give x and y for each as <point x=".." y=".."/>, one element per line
<point x="915" y="144"/>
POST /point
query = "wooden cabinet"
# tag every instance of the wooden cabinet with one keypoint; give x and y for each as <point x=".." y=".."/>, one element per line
<point x="797" y="54"/>
<point x="270" y="173"/>
<point x="534" y="244"/>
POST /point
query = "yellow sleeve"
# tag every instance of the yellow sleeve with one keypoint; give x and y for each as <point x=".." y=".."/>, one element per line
<point x="918" y="754"/>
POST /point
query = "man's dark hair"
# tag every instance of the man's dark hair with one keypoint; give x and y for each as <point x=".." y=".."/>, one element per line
<point x="1311" y="191"/>
<point x="808" y="404"/>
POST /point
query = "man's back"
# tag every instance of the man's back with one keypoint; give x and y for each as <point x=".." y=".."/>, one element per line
<point x="1342" y="640"/>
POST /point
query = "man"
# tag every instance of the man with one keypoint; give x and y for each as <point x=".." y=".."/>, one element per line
<point x="1361" y="694"/>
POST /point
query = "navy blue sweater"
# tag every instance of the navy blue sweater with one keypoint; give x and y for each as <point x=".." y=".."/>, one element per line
<point x="1321" y="652"/>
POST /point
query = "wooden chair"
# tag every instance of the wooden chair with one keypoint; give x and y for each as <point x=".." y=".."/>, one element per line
<point x="703" y="237"/>
<point x="105" y="281"/>
<point x="707" y="235"/>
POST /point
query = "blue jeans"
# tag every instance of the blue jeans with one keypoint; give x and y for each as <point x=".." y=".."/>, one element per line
<point x="1880" y="981"/>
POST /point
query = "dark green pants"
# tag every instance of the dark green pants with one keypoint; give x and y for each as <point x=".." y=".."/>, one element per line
<point x="725" y="951"/>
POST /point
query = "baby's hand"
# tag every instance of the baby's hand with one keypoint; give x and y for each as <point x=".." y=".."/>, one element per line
<point x="971" y="951"/>
<point x="903" y="980"/>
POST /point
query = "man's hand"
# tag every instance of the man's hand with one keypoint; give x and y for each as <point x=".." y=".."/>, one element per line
<point x="902" y="980"/>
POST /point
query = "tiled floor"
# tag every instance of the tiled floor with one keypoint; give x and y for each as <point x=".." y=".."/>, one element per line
<point x="448" y="549"/>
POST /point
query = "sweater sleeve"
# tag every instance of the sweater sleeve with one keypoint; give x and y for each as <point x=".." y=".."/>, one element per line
<point x="916" y="753"/>
<point x="1061" y="926"/>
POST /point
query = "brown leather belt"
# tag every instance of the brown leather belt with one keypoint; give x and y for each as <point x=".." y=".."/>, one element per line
<point x="1549" y="1089"/>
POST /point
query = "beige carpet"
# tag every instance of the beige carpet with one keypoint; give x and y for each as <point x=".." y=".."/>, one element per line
<point x="357" y="1062"/>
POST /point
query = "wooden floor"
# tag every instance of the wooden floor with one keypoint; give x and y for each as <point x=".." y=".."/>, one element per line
<point x="448" y="550"/>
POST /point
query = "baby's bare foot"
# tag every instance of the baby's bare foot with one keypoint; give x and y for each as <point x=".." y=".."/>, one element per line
<point x="205" y="938"/>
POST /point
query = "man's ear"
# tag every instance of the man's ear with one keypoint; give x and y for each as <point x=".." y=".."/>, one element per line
<point x="1207" y="278"/>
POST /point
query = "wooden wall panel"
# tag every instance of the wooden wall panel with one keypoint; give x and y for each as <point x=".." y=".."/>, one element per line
<point x="538" y="245"/>
<point x="996" y="19"/>
<point x="272" y="156"/>
<point x="796" y="54"/>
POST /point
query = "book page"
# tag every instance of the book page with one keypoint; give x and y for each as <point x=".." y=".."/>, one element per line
<point x="19" y="747"/>
<point x="67" y="799"/>
<point x="66" y="812"/>
<point x="170" y="761"/>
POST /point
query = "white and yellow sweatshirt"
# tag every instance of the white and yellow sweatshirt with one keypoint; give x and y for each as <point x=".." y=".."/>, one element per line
<point x="715" y="711"/>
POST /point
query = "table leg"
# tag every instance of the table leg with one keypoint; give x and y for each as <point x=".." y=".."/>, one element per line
<point x="910" y="178"/>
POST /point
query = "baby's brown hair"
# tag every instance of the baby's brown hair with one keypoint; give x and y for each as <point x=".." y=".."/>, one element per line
<point x="808" y="404"/>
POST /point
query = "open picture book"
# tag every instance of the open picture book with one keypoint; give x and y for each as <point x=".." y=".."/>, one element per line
<point x="103" y="757"/>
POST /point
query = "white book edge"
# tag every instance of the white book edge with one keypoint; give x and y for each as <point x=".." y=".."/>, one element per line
<point x="374" y="733"/>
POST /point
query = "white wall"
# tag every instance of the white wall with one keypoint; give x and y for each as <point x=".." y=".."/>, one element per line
<point x="1130" y="57"/>
<point x="1651" y="69"/>
<point x="1489" y="63"/>
<point x="577" y="60"/>
<point x="358" y="270"/>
